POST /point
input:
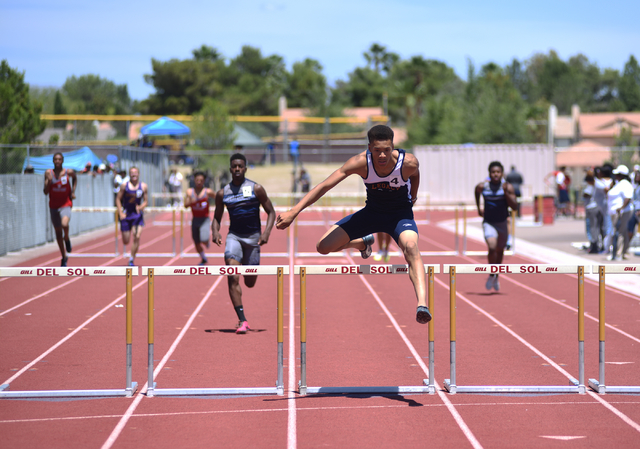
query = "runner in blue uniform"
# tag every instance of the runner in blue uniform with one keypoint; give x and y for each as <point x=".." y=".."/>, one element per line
<point x="391" y="177"/>
<point x="131" y="201"/>
<point x="498" y="196"/>
<point x="243" y="199"/>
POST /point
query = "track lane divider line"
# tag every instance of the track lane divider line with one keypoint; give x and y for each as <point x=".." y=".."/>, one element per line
<point x="292" y="421"/>
<point x="450" y="407"/>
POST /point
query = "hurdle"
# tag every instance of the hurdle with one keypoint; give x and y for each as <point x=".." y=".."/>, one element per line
<point x="226" y="270"/>
<point x="599" y="384"/>
<point x="428" y="384"/>
<point x="128" y="272"/>
<point x="575" y="386"/>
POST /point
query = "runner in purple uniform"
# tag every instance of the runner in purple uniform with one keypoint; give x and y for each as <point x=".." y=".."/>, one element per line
<point x="131" y="201"/>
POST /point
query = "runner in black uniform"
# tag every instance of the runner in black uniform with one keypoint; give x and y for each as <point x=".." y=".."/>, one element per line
<point x="243" y="199"/>
<point x="391" y="177"/>
<point x="498" y="196"/>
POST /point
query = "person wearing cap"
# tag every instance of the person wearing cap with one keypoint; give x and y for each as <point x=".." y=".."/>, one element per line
<point x="619" y="197"/>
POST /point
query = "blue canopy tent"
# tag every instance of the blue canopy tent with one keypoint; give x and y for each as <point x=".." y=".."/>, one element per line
<point x="75" y="160"/>
<point x="165" y="126"/>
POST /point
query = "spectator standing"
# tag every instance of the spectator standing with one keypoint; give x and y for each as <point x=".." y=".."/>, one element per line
<point x="304" y="180"/>
<point x="515" y="179"/>
<point x="294" y="152"/>
<point x="591" y="213"/>
<point x="175" y="185"/>
<point x="635" y="216"/>
<point x="620" y="209"/>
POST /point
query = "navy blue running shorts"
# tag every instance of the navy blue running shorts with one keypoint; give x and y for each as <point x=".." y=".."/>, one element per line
<point x="369" y="221"/>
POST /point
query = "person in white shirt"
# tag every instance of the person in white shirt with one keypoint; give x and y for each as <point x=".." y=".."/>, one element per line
<point x="619" y="197"/>
<point x="603" y="182"/>
<point x="591" y="211"/>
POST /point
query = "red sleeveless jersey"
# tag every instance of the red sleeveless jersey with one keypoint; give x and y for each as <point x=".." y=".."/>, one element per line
<point x="60" y="190"/>
<point x="200" y="206"/>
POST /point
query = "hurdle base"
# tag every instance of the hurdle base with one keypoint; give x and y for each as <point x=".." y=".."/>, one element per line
<point x="215" y="391"/>
<point x="368" y="390"/>
<point x="5" y="394"/>
<point x="602" y="389"/>
<point x="574" y="387"/>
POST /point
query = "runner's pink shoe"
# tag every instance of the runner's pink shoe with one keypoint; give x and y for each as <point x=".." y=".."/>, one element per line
<point x="244" y="327"/>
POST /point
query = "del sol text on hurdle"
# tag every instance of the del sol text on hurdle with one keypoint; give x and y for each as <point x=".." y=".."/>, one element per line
<point x="229" y="271"/>
<point x="64" y="272"/>
<point x="523" y="269"/>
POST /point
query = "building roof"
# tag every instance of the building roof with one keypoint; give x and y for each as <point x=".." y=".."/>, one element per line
<point x="608" y="124"/>
<point x="585" y="153"/>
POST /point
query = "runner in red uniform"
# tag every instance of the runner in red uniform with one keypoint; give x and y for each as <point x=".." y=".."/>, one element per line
<point x="60" y="184"/>
<point x="198" y="199"/>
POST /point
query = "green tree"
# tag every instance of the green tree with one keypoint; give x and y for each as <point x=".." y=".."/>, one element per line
<point x="306" y="85"/>
<point x="91" y="94"/>
<point x="497" y="112"/>
<point x="630" y="85"/>
<point x="254" y="83"/>
<point x="59" y="108"/>
<point x="212" y="126"/>
<point x="19" y="113"/>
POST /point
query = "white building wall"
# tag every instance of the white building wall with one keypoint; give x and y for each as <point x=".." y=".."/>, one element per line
<point x="449" y="173"/>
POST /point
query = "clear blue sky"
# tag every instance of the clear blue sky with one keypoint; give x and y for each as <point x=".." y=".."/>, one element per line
<point x="51" y="40"/>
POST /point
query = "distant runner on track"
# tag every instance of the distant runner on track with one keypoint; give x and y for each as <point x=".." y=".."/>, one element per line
<point x="243" y="199"/>
<point x="498" y="195"/>
<point x="391" y="177"/>
<point x="197" y="198"/>
<point x="60" y="184"/>
<point x="131" y="201"/>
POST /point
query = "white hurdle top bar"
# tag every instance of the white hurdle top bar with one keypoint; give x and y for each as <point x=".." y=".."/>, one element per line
<point x="207" y="270"/>
<point x="515" y="269"/>
<point x="360" y="269"/>
<point x="66" y="271"/>
<point x="617" y="269"/>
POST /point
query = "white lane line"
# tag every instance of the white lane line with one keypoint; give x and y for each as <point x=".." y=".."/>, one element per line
<point x="292" y="421"/>
<point x="132" y="408"/>
<point x="64" y="284"/>
<point x="76" y="330"/>
<point x="452" y="409"/>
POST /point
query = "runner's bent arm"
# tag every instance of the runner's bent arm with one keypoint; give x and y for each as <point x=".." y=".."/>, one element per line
<point x="47" y="181"/>
<point x="411" y="169"/>
<point x="187" y="198"/>
<point x="119" y="196"/>
<point x="217" y="218"/>
<point x="145" y="201"/>
<point x="261" y="194"/>
<point x="478" y="192"/>
<point x="357" y="164"/>
<point x="74" y="178"/>
<point x="510" y="196"/>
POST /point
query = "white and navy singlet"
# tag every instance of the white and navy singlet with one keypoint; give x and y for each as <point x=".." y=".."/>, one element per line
<point x="243" y="207"/>
<point x="391" y="192"/>
<point x="495" y="202"/>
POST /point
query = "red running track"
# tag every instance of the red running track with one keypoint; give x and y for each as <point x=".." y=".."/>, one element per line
<point x="69" y="333"/>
